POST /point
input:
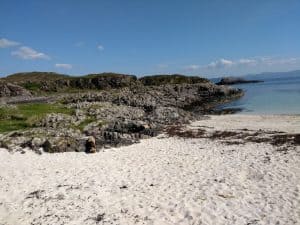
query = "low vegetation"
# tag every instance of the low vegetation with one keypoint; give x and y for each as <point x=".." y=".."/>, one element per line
<point x="24" y="116"/>
<point x="275" y="138"/>
<point x="32" y="86"/>
<point x="171" y="79"/>
<point x="85" y="122"/>
<point x="34" y="77"/>
<point x="49" y="82"/>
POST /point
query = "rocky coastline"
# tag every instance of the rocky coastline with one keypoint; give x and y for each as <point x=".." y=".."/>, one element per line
<point x="103" y="111"/>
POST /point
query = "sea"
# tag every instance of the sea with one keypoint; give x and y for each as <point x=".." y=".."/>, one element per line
<point x="280" y="95"/>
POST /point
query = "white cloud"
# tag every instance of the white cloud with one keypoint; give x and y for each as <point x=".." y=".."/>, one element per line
<point x="192" y="67"/>
<point x="245" y="65"/>
<point x="270" y="61"/>
<point x="255" y="61"/>
<point x="226" y="63"/>
<point x="221" y="63"/>
<point x="63" y="66"/>
<point x="5" y="43"/>
<point x="29" y="53"/>
<point x="289" y="61"/>
<point x="100" y="47"/>
<point x="246" y="61"/>
<point x="250" y="65"/>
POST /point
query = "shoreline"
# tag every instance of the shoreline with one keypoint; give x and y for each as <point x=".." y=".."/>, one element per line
<point x="289" y="123"/>
<point x="161" y="180"/>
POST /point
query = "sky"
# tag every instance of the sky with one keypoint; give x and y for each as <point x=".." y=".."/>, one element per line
<point x="209" y="38"/>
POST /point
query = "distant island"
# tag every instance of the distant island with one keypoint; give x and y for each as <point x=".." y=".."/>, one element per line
<point x="236" y="80"/>
<point x="273" y="75"/>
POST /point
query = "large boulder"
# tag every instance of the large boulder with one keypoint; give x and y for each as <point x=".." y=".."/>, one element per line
<point x="121" y="132"/>
<point x="12" y="90"/>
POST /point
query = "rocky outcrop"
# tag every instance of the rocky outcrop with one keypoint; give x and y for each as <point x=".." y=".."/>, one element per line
<point x="118" y="133"/>
<point x="38" y="82"/>
<point x="236" y="80"/>
<point x="118" y="116"/>
<point x="156" y="80"/>
<point x="11" y="90"/>
<point x="96" y="82"/>
<point x="183" y="96"/>
<point x="45" y="139"/>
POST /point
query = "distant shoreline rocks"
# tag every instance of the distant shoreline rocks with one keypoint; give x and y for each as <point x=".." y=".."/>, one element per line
<point x="236" y="80"/>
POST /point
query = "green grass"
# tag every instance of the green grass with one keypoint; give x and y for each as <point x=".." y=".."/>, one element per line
<point x="85" y="123"/>
<point x="32" y="86"/>
<point x="12" y="125"/>
<point x="26" y="115"/>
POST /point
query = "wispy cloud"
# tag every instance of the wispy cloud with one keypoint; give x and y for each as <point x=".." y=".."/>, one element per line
<point x="29" y="53"/>
<point x="221" y="63"/>
<point x="5" y="43"/>
<point x="100" y="47"/>
<point x="246" y="61"/>
<point x="63" y="66"/>
<point x="244" y="65"/>
<point x="278" y="61"/>
<point x="191" y="67"/>
<point x="251" y="62"/>
<point x="79" y="44"/>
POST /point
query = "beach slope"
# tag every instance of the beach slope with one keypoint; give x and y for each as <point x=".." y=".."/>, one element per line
<point x="162" y="180"/>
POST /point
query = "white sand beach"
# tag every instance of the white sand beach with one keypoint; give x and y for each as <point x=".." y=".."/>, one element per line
<point x="163" y="180"/>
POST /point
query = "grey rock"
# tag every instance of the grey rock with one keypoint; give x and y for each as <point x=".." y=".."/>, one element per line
<point x="121" y="116"/>
<point x="56" y="120"/>
<point x="10" y="90"/>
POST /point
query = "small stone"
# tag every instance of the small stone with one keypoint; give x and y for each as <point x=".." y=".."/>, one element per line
<point x="100" y="217"/>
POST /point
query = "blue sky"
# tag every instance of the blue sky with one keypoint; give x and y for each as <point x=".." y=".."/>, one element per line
<point x="198" y="37"/>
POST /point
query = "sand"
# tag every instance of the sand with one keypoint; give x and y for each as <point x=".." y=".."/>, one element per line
<point x="158" y="181"/>
<point x="285" y="123"/>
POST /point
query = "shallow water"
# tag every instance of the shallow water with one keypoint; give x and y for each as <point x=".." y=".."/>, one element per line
<point x="273" y="96"/>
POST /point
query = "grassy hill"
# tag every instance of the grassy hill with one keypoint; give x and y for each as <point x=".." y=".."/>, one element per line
<point x="39" y="82"/>
<point x="34" y="77"/>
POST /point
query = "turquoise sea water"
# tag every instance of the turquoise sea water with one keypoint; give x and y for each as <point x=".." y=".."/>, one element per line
<point x="273" y="96"/>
